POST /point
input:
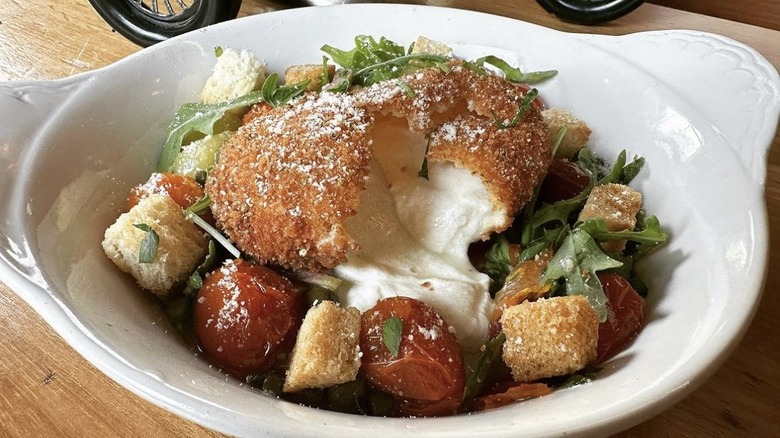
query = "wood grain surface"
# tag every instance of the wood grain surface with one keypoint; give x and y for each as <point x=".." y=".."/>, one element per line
<point x="47" y="389"/>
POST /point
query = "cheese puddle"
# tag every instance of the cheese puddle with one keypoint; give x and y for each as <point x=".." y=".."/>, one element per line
<point x="414" y="235"/>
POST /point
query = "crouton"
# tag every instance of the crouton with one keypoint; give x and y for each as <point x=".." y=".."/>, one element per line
<point x="235" y="74"/>
<point x="312" y="72"/>
<point x="577" y="132"/>
<point x="327" y="350"/>
<point x="181" y="246"/>
<point x="431" y="47"/>
<point x="618" y="205"/>
<point x="549" y="337"/>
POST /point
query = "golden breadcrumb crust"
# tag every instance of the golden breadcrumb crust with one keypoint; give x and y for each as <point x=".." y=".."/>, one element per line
<point x="549" y="337"/>
<point x="286" y="183"/>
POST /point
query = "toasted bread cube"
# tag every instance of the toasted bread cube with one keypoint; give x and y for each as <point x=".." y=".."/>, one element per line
<point x="577" y="132"/>
<point x="549" y="337"/>
<point x="181" y="248"/>
<point x="327" y="351"/>
<point x="235" y="74"/>
<point x="431" y="47"/>
<point x="312" y="72"/>
<point x="618" y="205"/>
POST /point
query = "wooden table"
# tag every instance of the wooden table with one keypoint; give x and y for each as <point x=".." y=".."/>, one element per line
<point x="47" y="389"/>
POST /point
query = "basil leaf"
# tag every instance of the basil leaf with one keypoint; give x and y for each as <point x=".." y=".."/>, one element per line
<point x="198" y="118"/>
<point x="149" y="245"/>
<point x="489" y="355"/>
<point x="513" y="74"/>
<point x="577" y="261"/>
<point x="391" y="334"/>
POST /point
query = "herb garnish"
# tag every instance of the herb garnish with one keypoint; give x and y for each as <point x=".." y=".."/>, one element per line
<point x="577" y="261"/>
<point x="476" y="377"/>
<point x="524" y="105"/>
<point x="218" y="51"/>
<point x="372" y="61"/>
<point x="513" y="74"/>
<point x="391" y="334"/>
<point x="149" y="245"/>
<point x="276" y="95"/>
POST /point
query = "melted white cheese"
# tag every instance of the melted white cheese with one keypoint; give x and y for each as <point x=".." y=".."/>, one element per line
<point x="414" y="235"/>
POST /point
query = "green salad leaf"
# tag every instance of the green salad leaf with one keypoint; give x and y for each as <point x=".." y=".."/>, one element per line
<point x="577" y="261"/>
<point x="391" y="334"/>
<point x="148" y="250"/>
<point x="498" y="263"/>
<point x="198" y="117"/>
<point x="490" y="354"/>
<point x="372" y="61"/>
<point x="513" y="74"/>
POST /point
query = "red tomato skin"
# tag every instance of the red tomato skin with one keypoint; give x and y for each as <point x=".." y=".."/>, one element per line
<point x="184" y="190"/>
<point x="243" y="315"/>
<point x="564" y="180"/>
<point x="625" y="316"/>
<point x="427" y="376"/>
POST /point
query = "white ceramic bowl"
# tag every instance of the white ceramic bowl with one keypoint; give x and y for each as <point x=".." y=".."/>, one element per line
<point x="702" y="109"/>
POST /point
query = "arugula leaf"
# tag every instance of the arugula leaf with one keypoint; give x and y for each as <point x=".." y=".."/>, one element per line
<point x="524" y="105"/>
<point x="201" y="118"/>
<point x="148" y="250"/>
<point x="372" y="61"/>
<point x="277" y="96"/>
<point x="498" y="263"/>
<point x="195" y="281"/>
<point x="514" y="74"/>
<point x="407" y="89"/>
<point x="391" y="334"/>
<point x="578" y="378"/>
<point x="577" y="261"/>
<point x="489" y="355"/>
<point x="342" y="80"/>
<point x="652" y="234"/>
<point x="201" y="205"/>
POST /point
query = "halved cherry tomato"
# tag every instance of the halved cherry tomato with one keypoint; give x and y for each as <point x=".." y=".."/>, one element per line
<point x="564" y="180"/>
<point x="508" y="394"/>
<point x="427" y="375"/>
<point x="625" y="316"/>
<point x="243" y="315"/>
<point x="184" y="190"/>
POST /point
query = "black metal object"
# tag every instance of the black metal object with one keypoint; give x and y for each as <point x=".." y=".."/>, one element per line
<point x="589" y="11"/>
<point x="146" y="22"/>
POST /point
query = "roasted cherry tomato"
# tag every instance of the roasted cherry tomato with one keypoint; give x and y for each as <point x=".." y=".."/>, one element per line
<point x="243" y="314"/>
<point x="506" y="394"/>
<point x="625" y="316"/>
<point x="184" y="190"/>
<point x="564" y="180"/>
<point x="426" y="376"/>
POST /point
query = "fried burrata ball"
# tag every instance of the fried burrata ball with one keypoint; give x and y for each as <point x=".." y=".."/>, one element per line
<point x="286" y="183"/>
